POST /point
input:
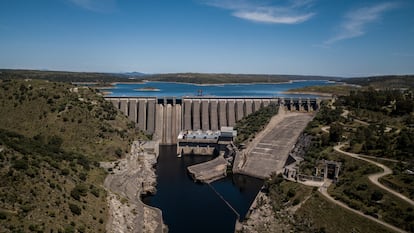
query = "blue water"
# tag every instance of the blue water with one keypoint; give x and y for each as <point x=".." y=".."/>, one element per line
<point x="184" y="89"/>
<point x="193" y="207"/>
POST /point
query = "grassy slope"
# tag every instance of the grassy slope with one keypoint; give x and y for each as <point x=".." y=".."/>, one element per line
<point x="327" y="217"/>
<point x="51" y="138"/>
<point x="85" y="122"/>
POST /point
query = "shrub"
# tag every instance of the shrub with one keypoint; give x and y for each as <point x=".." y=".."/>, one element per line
<point x="75" y="209"/>
<point x="376" y="195"/>
<point x="95" y="192"/>
<point x="20" y="164"/>
<point x="65" y="171"/>
<point x="291" y="193"/>
<point x="118" y="152"/>
<point x="83" y="176"/>
<point x="296" y="201"/>
<point x="69" y="229"/>
<point x="3" y="215"/>
<point x="78" y="191"/>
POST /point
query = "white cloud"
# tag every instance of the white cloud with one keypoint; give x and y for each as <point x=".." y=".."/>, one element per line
<point x="269" y="17"/>
<point x="356" y="21"/>
<point x="292" y="12"/>
<point x="95" y="5"/>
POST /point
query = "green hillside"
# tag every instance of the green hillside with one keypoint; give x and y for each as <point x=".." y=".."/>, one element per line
<point x="384" y="82"/>
<point x="52" y="136"/>
<point x="198" y="78"/>
<point x="63" y="76"/>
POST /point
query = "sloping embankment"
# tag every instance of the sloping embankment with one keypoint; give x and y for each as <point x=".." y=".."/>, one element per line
<point x="129" y="178"/>
<point x="268" y="152"/>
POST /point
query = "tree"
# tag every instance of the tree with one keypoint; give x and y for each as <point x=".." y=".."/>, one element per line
<point x="376" y="195"/>
<point x="335" y="132"/>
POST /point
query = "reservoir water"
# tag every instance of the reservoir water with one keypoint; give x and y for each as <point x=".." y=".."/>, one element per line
<point x="161" y="89"/>
<point x="193" y="207"/>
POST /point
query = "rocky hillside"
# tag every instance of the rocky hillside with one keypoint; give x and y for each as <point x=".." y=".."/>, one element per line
<point x="52" y="136"/>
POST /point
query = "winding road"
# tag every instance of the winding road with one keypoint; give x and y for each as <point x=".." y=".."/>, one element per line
<point x="375" y="177"/>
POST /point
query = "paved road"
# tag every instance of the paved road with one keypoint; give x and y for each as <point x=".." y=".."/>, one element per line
<point x="375" y="177"/>
<point x="325" y="129"/>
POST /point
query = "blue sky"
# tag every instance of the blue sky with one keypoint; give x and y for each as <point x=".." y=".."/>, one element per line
<point x="309" y="37"/>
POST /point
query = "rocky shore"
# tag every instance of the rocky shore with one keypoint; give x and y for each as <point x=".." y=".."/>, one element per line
<point x="262" y="218"/>
<point x="128" y="179"/>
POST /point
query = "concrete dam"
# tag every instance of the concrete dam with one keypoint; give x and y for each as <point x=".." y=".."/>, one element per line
<point x="166" y="117"/>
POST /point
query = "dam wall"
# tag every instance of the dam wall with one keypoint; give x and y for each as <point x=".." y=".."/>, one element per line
<point x="164" y="118"/>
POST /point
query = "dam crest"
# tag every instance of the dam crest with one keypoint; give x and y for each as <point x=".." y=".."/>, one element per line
<point x="166" y="117"/>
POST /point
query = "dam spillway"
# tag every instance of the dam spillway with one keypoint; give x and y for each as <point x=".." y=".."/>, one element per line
<point x="164" y="118"/>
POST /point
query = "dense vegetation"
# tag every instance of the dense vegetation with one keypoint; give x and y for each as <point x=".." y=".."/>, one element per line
<point x="390" y="114"/>
<point x="52" y="136"/>
<point x="248" y="126"/>
<point x="384" y="82"/>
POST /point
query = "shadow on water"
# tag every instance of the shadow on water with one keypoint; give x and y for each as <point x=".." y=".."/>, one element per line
<point x="193" y="207"/>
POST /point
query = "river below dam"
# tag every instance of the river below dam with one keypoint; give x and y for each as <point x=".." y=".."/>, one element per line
<point x="193" y="207"/>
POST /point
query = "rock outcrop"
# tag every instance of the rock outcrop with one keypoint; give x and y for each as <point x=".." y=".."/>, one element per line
<point x="129" y="178"/>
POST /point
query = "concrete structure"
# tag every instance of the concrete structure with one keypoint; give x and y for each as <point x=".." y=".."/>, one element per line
<point x="204" y="142"/>
<point x="209" y="171"/>
<point x="198" y="142"/>
<point x="166" y="117"/>
<point x="328" y="169"/>
<point x="270" y="149"/>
